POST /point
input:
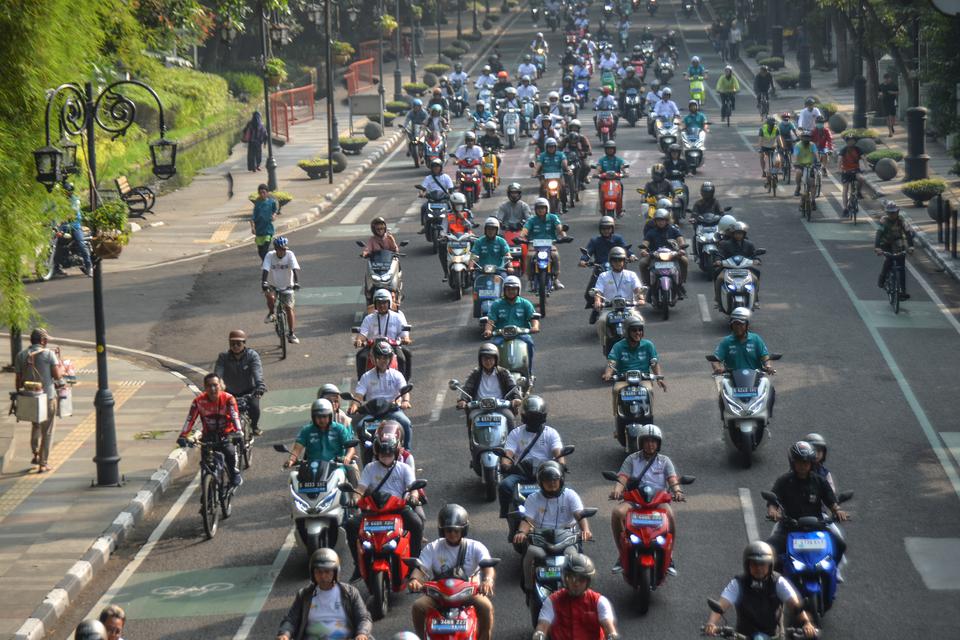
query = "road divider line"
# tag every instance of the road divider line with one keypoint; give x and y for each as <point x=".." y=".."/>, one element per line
<point x="749" y="515"/>
<point x="266" y="587"/>
<point x="704" y="307"/>
<point x="356" y="189"/>
<point x="358" y="210"/>
<point x="438" y="405"/>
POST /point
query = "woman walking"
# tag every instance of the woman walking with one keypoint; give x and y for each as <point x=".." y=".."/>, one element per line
<point x="255" y="135"/>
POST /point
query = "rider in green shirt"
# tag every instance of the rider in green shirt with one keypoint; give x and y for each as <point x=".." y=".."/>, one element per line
<point x="805" y="155"/>
<point x="695" y="119"/>
<point x="633" y="353"/>
<point x="545" y="226"/>
<point x="491" y="248"/>
<point x="324" y="440"/>
<point x="513" y="310"/>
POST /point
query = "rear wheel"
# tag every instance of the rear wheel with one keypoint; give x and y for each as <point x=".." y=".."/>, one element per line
<point x="226" y="498"/>
<point x="665" y="304"/>
<point x="511" y="140"/>
<point x="491" y="481"/>
<point x="542" y="292"/>
<point x="643" y="589"/>
<point x="380" y="604"/>
<point x="746" y="456"/>
<point x="209" y="509"/>
<point x="46" y="267"/>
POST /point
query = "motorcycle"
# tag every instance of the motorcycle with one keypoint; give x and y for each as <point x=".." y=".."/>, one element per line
<point x="705" y="240"/>
<point x="608" y="11"/>
<point x="450" y="617"/>
<point x="664" y="71"/>
<point x="568" y="108"/>
<point x="634" y="408"/>
<point x="640" y="67"/>
<point x="438" y="205"/>
<point x="68" y="255"/>
<point x="434" y="148"/>
<point x="527" y="115"/>
<point x="468" y="180"/>
<point x="697" y="91"/>
<point x="316" y="502"/>
<point x="606" y="126"/>
<point x="652" y="7"/>
<point x="524" y="489"/>
<point x="383" y="272"/>
<point x="551" y="185"/>
<point x="384" y="546"/>
<point x="514" y="354"/>
<point x="459" y="102"/>
<point x="738" y="284"/>
<point x="540" y="60"/>
<point x="646" y="544"/>
<point x="665" y="278"/>
<point x="666" y="132"/>
<point x="608" y="79"/>
<point x="518" y="253"/>
<point x="415" y="135"/>
<point x="725" y="631"/>
<point x="688" y="9"/>
<point x="552" y="21"/>
<point x="369" y="416"/>
<point x="534" y="14"/>
<point x="611" y="192"/>
<point x="648" y="207"/>
<point x="631" y="106"/>
<point x="542" y="277"/>
<point x="459" y="274"/>
<point x="810" y="558"/>
<point x="487" y="289"/>
<point x="681" y="195"/>
<point x="491" y="172"/>
<point x="647" y="49"/>
<point x="511" y="126"/>
<point x="364" y="365"/>
<point x="487" y="427"/>
<point x="582" y="87"/>
<point x="693" y="142"/>
<point x="745" y="402"/>
<point x="610" y="326"/>
<point x="624" y="33"/>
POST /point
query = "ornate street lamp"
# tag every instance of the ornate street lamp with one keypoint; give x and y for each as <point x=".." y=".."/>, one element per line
<point x="228" y="33"/>
<point x="48" y="160"/>
<point x="163" y="153"/>
<point x="69" y="165"/>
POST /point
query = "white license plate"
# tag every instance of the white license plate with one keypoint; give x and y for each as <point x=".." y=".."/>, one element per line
<point x="448" y="626"/>
<point x="738" y="273"/>
<point x="459" y="245"/>
<point x="486" y="293"/>
<point x="646" y="519"/>
<point x="549" y="573"/>
<point x="378" y="525"/>
<point x="313" y="486"/>
<point x="662" y="265"/>
<point x="809" y="544"/>
<point x="527" y="489"/>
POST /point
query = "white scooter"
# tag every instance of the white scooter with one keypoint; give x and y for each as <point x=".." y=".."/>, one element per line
<point x="738" y="283"/>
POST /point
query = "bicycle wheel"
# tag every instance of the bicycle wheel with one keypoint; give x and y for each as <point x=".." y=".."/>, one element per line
<point x="282" y="331"/>
<point x="773" y="182"/>
<point x="819" y="184"/>
<point x="210" y="505"/>
<point x="226" y="495"/>
<point x="893" y="290"/>
<point x="854" y="207"/>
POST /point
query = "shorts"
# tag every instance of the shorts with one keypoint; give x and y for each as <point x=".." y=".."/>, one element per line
<point x="848" y="177"/>
<point x="263" y="239"/>
<point x="287" y="298"/>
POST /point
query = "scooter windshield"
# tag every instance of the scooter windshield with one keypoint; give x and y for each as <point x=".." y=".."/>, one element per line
<point x="380" y="261"/>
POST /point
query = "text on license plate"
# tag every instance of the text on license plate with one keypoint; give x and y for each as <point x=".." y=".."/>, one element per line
<point x="526" y="489"/>
<point x="662" y="265"/>
<point x="549" y="573"/>
<point x="487" y="293"/>
<point x="314" y="486"/>
<point x="448" y="626"/>
<point x="378" y="525"/>
<point x="646" y="519"/>
<point x="809" y="544"/>
<point x="744" y="391"/>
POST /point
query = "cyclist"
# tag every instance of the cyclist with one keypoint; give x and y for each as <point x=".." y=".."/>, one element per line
<point x="893" y="237"/>
<point x="545" y="226"/>
<point x="728" y="86"/>
<point x="788" y="132"/>
<point x="384" y="382"/>
<point x="281" y="272"/>
<point x="822" y="137"/>
<point x="807" y="117"/>
<point x="242" y="375"/>
<point x="325" y="440"/>
<point x="805" y="155"/>
<point x="219" y="423"/>
<point x="383" y="323"/>
<point x="769" y="141"/>
<point x="763" y="85"/>
<point x="850" y="170"/>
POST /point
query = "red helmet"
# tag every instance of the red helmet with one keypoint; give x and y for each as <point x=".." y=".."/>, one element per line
<point x="388" y="437"/>
<point x="606" y="91"/>
<point x="503" y="75"/>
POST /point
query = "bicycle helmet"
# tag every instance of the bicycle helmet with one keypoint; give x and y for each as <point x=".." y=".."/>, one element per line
<point x="280" y="242"/>
<point x="376" y="221"/>
<point x="771" y="121"/>
<point x="382" y="295"/>
<point x="741" y="315"/>
<point x="488" y="349"/>
<point x="651" y="431"/>
<point x="764" y="67"/>
<point x="491" y="222"/>
<point x="321" y="407"/>
<point x="617" y="253"/>
<point x="786" y="115"/>
<point x="534" y="413"/>
<point x="458" y="66"/>
<point x="606" y="221"/>
<point x="707" y="188"/>
<point x="541" y="202"/>
<point x="469" y="136"/>
<point x="458" y="199"/>
<point x="802" y="451"/>
<point x="818" y="442"/>
<point x="578" y="565"/>
<point x="328" y="389"/>
<point x="417" y="102"/>
<point x="550" y="470"/>
<point x="809" y="102"/>
<point x="726" y="221"/>
<point x="325" y="560"/>
<point x="238" y="334"/>
<point x="388" y="437"/>
<point x="90" y="630"/>
<point x="759" y="552"/>
<point x="609" y="144"/>
<point x="512" y="281"/>
<point x="453" y="516"/>
<point x="382" y="349"/>
<point x="661" y="214"/>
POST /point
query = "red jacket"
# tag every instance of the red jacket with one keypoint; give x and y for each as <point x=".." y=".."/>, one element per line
<point x="219" y="416"/>
<point x="575" y="618"/>
<point x="822" y="138"/>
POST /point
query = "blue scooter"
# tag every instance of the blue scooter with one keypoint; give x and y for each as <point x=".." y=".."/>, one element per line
<point x="487" y="289"/>
<point x="582" y="87"/>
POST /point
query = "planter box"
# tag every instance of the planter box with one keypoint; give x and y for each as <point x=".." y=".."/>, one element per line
<point x="106" y="248"/>
<point x="352" y="147"/>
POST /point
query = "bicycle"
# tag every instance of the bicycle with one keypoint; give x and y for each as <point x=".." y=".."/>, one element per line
<point x="216" y="493"/>
<point x="763" y="104"/>
<point x="245" y="450"/>
<point x="726" y="107"/>
<point x="892" y="283"/>
<point x="280" y="321"/>
<point x="787" y="153"/>
<point x="770" y="182"/>
<point x="853" y="200"/>
<point x="806" y="199"/>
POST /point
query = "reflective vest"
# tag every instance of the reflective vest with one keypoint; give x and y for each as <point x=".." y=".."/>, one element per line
<point x="575" y="618"/>
<point x="759" y="609"/>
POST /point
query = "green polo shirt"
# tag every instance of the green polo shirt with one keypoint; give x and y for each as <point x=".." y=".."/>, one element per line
<point x="519" y="313"/>
<point x="324" y="445"/>
<point x="547" y="228"/>
<point x="742" y="355"/>
<point x="490" y="251"/>
<point x="633" y="359"/>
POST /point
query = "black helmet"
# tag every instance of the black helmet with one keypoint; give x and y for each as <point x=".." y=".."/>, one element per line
<point x="453" y="516"/>
<point x="673" y="147"/>
<point x="579" y="565"/>
<point x="550" y="470"/>
<point x="376" y="221"/>
<point x="802" y="451"/>
<point x="90" y="630"/>
<point x="818" y="442"/>
<point x="488" y="349"/>
<point x="328" y="389"/>
<point x="382" y="348"/>
<point x="325" y="559"/>
<point x="757" y="551"/>
<point x="707" y="188"/>
<point x="534" y="413"/>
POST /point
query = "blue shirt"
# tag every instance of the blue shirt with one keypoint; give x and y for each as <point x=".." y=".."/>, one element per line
<point x="696" y="71"/>
<point x="551" y="163"/>
<point x="608" y="163"/>
<point x="519" y="313"/>
<point x="324" y="445"/>
<point x="656" y="238"/>
<point x="697" y="120"/>
<point x="735" y="354"/>
<point x="545" y="228"/>
<point x="638" y="358"/>
<point x="490" y="251"/>
<point x="263" y="210"/>
<point x="599" y="247"/>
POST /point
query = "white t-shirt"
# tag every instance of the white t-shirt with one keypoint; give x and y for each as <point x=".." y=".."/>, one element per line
<point x="280" y="270"/>
<point x="785" y="591"/>
<point x="439" y="557"/>
<point x="519" y="438"/>
<point x="604" y="610"/>
<point x="666" y="109"/>
<point x="396" y="485"/>
<point x="553" y="513"/>
<point x="661" y="469"/>
<point x="622" y="284"/>
<point x="445" y="182"/>
<point x="527" y="70"/>
<point x="326" y="618"/>
<point x="807" y="120"/>
<point x="380" y="385"/>
<point x="471" y="153"/>
<point x="527" y="91"/>
<point x="489" y="385"/>
<point x="391" y="325"/>
<point x="458" y="76"/>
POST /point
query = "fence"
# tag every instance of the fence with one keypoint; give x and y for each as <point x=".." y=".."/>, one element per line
<point x="945" y="215"/>
<point x="290" y="107"/>
<point x="359" y="76"/>
<point x="370" y="48"/>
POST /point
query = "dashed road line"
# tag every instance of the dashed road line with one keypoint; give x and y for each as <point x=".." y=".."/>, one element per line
<point x="704" y="307"/>
<point x="749" y="516"/>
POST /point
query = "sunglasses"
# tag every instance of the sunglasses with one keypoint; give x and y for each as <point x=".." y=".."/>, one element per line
<point x="236" y="343"/>
<point x="636" y="330"/>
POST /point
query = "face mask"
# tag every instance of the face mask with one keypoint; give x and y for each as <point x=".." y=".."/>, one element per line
<point x="819" y="126"/>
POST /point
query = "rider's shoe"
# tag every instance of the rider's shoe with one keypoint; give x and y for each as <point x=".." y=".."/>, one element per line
<point x="292" y="338"/>
<point x="557" y="284"/>
<point x="270" y="318"/>
<point x="593" y="316"/>
<point x="617" y="568"/>
<point x="796" y="192"/>
<point x="257" y="431"/>
<point x="904" y="295"/>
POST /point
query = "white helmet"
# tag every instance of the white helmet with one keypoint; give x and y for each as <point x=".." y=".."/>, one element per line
<point x="574" y="123"/>
<point x="695" y="60"/>
<point x="651" y="431"/>
<point x="553" y="95"/>
<point x="541" y="202"/>
<point x="540" y="35"/>
<point x="512" y="281"/>
<point x="490" y="126"/>
<point x="511" y="91"/>
<point x="486" y="68"/>
<point x="525" y="78"/>
<point x="550" y="141"/>
<point x="661" y="214"/>
<point x="666" y="91"/>
<point x="725" y="223"/>
<point x="491" y="222"/>
<point x="664" y="203"/>
<point x="458" y="198"/>
<point x="740" y="314"/>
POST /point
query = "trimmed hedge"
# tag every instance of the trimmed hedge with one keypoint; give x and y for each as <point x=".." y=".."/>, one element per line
<point x="787" y="79"/>
<point x="473" y="37"/>
<point x="774" y="62"/>
<point x="461" y="44"/>
<point x="827" y="108"/>
<point x="453" y="53"/>
<point x="894" y="154"/>
<point x="922" y="190"/>
<point x="751" y="50"/>
<point x="437" y="68"/>
<point x="398" y="107"/>
<point x="282" y="197"/>
<point x="244" y="86"/>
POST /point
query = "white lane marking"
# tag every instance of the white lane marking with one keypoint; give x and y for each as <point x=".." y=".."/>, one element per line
<point x="704" y="307"/>
<point x="363" y="183"/>
<point x="412" y="209"/>
<point x="437" y="405"/>
<point x="266" y="587"/>
<point x="749" y="516"/>
<point x="466" y="310"/>
<point x="937" y="560"/>
<point x="144" y="551"/>
<point x="358" y="210"/>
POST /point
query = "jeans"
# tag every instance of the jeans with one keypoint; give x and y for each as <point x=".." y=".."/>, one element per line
<point x="888" y="263"/>
<point x="77" y="234"/>
<point x="508" y="486"/>
<point x="498" y="340"/>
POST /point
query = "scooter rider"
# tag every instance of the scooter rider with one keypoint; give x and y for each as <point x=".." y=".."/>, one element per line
<point x="490" y="138"/>
<point x="707" y="203"/>
<point x="696" y="68"/>
<point x="384" y="382"/>
<point x="451" y="555"/>
<point x="819" y="444"/>
<point x="459" y="221"/>
<point x="653" y="94"/>
<point x="383" y="323"/>
<point x="486" y="78"/>
<point x="491" y="248"/>
<point x="513" y="310"/>
<point x="527" y="68"/>
<point x="242" y="375"/>
<point x="553" y="506"/>
<point x="659" y="236"/>
<point x="630" y="81"/>
<point x="459" y="76"/>
<point x="416" y="115"/>
<point x="695" y="118"/>
<point x="569" y="58"/>
<point x="675" y="162"/>
<point x="469" y="149"/>
<point x="633" y="353"/>
<point x="552" y="160"/>
<point x="736" y="245"/>
<point x="605" y="102"/>
<point x="331" y="392"/>
<point x="436" y="180"/>
<point x="758" y="594"/>
<point x="533" y="440"/>
<point x="514" y="212"/>
<point x="502" y="84"/>
<point x="324" y="440"/>
<point x="388" y="474"/>
<point x="527" y="90"/>
<point x="743" y="349"/>
<point x="599" y="249"/>
<point x="480" y="114"/>
<point x="666" y="108"/>
<point x="576" y="611"/>
<point x="610" y="161"/>
<point x="658" y="185"/>
<point x="545" y="226"/>
<point x="219" y="423"/>
<point x="586" y="149"/>
<point x="490" y="380"/>
<point x="617" y="282"/>
<point x="540" y="43"/>
<point x="651" y="467"/>
<point x="436" y="122"/>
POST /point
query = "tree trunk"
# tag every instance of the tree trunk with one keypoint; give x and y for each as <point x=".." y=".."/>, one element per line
<point x="817" y="39"/>
<point x="873" y="80"/>
<point x="844" y="54"/>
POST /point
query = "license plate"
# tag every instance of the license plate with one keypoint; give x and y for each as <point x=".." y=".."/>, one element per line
<point x="744" y="391"/>
<point x="646" y="519"/>
<point x="313" y="486"/>
<point x="487" y="293"/>
<point x="527" y="489"/>
<point x="448" y="626"/>
<point x="662" y="265"/>
<point x="458" y="245"/>
<point x="486" y="424"/>
<point x="549" y="573"/>
<point x="632" y="397"/>
<point x="378" y="526"/>
<point x="809" y="544"/>
<point x="738" y="273"/>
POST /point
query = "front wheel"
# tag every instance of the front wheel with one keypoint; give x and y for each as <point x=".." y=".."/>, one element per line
<point x="644" y="589"/>
<point x="46" y="267"/>
<point x="380" y="605"/>
<point x="282" y="330"/>
<point x="491" y="481"/>
<point x="209" y="507"/>
<point x="542" y="286"/>
<point x="226" y="498"/>
<point x="511" y="140"/>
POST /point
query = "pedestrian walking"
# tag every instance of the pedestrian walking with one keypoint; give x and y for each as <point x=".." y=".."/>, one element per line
<point x="255" y="135"/>
<point x="736" y="36"/>
<point x="37" y="363"/>
<point x="265" y="211"/>
<point x="889" y="90"/>
<point x="113" y="618"/>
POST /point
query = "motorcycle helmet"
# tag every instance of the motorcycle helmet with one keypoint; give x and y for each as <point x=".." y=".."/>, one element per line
<point x="280" y="242"/>
<point x="757" y="551"/>
<point x="727" y="68"/>
<point x="442" y="80"/>
<point x="436" y="109"/>
<point x="707" y="188"/>
<point x="651" y="431"/>
<point x="809" y="102"/>
<point x="630" y="70"/>
<point x="453" y="516"/>
<point x="469" y="136"/>
<point x="632" y="322"/>
<point x="802" y="451"/>
<point x="376" y="221"/>
<point x="605" y="90"/>
<point x="514" y="188"/>
<point x="542" y="202"/>
<point x="436" y="162"/>
<point x="553" y="96"/>
<point x="490" y="126"/>
<point x="818" y="442"/>
<point x="512" y="281"/>
<point x="387" y="438"/>
<point x="458" y="200"/>
<point x="328" y="389"/>
<point x="503" y="75"/>
<point x="325" y="560"/>
<point x="657" y="171"/>
<point x="673" y="148"/>
<point x="90" y="630"/>
<point x="237" y="334"/>
<point x="664" y="203"/>
<point x="382" y="295"/>
<point x="609" y="144"/>
<point x="726" y="221"/>
<point x="527" y="58"/>
<point x="579" y="565"/>
<point x="488" y="349"/>
<point x="771" y="121"/>
<point x="606" y="221"/>
<point x="511" y="91"/>
<point x="539" y="35"/>
<point x="574" y="123"/>
<point x="486" y="69"/>
<point x="417" y="102"/>
<point x="739" y="226"/>
<point x="534" y="413"/>
<point x="617" y="253"/>
<point x="550" y="470"/>
<point x="693" y="103"/>
<point x="786" y="115"/>
<point x="550" y="142"/>
<point x="695" y="60"/>
<point x="666" y="93"/>
<point x="764" y="68"/>
<point x="382" y="349"/>
<point x="661" y="214"/>
<point x="654" y="85"/>
<point x="321" y="407"/>
<point x="458" y="67"/>
<point x="636" y="48"/>
<point x="741" y="315"/>
<point x="525" y="78"/>
<point x="573" y="138"/>
<point x="491" y="222"/>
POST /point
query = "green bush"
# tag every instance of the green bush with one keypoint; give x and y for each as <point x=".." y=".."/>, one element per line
<point x="774" y="62"/>
<point x="453" y="53"/>
<point x="415" y="88"/>
<point x="923" y="190"/>
<point x="282" y="197"/>
<point x="353" y="140"/>
<point x="276" y="70"/>
<point x="437" y="69"/>
<point x="314" y="163"/>
<point x="108" y="218"/>
<point x="787" y="79"/>
<point x="827" y="108"/>
<point x="244" y="86"/>
<point x="397" y="106"/>
<point x="751" y="50"/>
<point x="863" y="133"/>
<point x="876" y="156"/>
<point x="461" y="44"/>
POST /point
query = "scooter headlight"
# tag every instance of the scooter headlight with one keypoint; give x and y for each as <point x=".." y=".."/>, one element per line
<point x="390" y="546"/>
<point x="661" y="540"/>
<point x="748" y="286"/>
<point x="825" y="565"/>
<point x="798" y="566"/>
<point x="367" y="545"/>
<point x="553" y="184"/>
<point x="299" y="502"/>
<point x="634" y="539"/>
<point x="735" y="406"/>
<point x="731" y="287"/>
<point x="756" y="405"/>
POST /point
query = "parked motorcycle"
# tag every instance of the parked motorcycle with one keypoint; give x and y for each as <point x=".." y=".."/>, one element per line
<point x="666" y="132"/>
<point x="746" y="397"/>
<point x="631" y="106"/>
<point x="469" y="179"/>
<point x="383" y="272"/>
<point x="634" y="408"/>
<point x="665" y="278"/>
<point x="63" y="252"/>
<point x="646" y="545"/>
<point x="738" y="283"/>
<point x="693" y="142"/>
<point x="542" y="276"/>
<point x="451" y="617"/>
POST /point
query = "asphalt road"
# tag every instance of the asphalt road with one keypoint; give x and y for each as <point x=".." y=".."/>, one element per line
<point x="873" y="384"/>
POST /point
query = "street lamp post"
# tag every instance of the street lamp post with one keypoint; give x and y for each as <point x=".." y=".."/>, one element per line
<point x="439" y="58"/>
<point x="268" y="121"/>
<point x="81" y="112"/>
<point x="459" y="24"/>
<point x="475" y="30"/>
<point x="414" y="28"/>
<point x="333" y="135"/>
<point x="859" y="82"/>
<point x="397" y="76"/>
<point x="380" y="89"/>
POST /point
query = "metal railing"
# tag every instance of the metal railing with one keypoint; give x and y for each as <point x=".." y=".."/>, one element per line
<point x="359" y="75"/>
<point x="945" y="214"/>
<point x="291" y="107"/>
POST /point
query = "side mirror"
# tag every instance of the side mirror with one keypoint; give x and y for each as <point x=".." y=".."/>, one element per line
<point x="592" y="292"/>
<point x="610" y="475"/>
<point x="567" y="450"/>
<point x="346" y="487"/>
<point x="280" y="448"/>
<point x="712" y="358"/>
<point x="776" y="356"/>
<point x="760" y="252"/>
<point x="714" y="606"/>
<point x="350" y="444"/>
<point x="354" y="329"/>
<point x="727" y="208"/>
<point x="453" y="385"/>
<point x="532" y="164"/>
<point x="565" y="227"/>
<point x="346" y="395"/>
<point x="769" y="496"/>
<point x="588" y="512"/>
<point x="406" y="388"/>
<point x="844" y="497"/>
<point x="687" y="479"/>
<point x="416" y="485"/>
<point x="626" y="165"/>
<point x="360" y="244"/>
<point x="404" y="243"/>
<point x="488" y="563"/>
<point x="565" y="240"/>
<point x="420" y="187"/>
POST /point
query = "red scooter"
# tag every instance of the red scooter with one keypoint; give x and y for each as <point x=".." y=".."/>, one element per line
<point x="518" y="253"/>
<point x="450" y="618"/>
<point x="606" y="126"/>
<point x="469" y="179"/>
<point x="611" y="192"/>
<point x="384" y="545"/>
<point x="646" y="545"/>
<point x="365" y="364"/>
